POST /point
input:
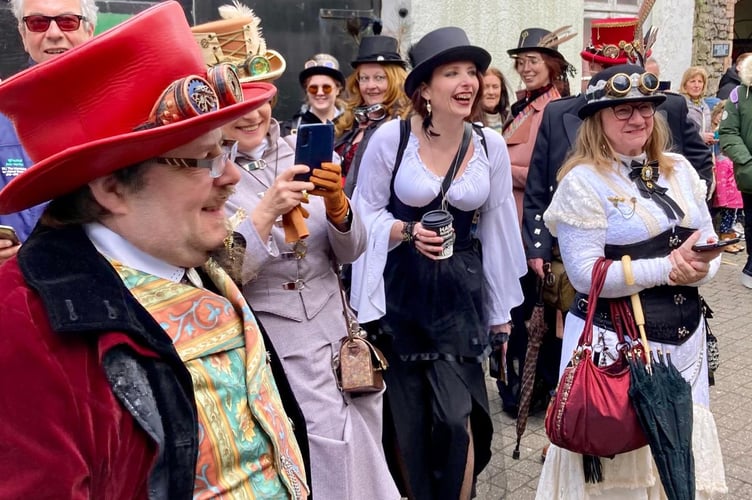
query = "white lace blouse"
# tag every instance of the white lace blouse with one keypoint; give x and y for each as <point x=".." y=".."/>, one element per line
<point x="592" y="208"/>
<point x="486" y="183"/>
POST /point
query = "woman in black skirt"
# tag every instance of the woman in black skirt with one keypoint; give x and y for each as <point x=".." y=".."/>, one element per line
<point x="435" y="295"/>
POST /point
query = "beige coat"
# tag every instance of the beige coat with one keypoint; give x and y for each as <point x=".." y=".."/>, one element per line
<point x="520" y="145"/>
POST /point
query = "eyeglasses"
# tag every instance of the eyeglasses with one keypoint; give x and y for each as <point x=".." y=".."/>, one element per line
<point x="522" y="61"/>
<point x="621" y="84"/>
<point x="364" y="79"/>
<point x="374" y="113"/>
<point x="314" y="89"/>
<point x="624" y="112"/>
<point x="66" y="22"/>
<point x="215" y="165"/>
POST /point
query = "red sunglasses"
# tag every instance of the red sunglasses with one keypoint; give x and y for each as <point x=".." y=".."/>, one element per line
<point x="66" y="22"/>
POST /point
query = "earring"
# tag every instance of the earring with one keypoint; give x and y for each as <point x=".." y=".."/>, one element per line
<point x="428" y="107"/>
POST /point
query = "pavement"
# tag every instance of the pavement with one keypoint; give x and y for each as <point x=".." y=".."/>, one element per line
<point x="730" y="400"/>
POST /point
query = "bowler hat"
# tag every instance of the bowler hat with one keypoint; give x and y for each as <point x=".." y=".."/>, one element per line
<point x="544" y="41"/>
<point x="321" y="64"/>
<point x="378" y="49"/>
<point x="108" y="117"/>
<point x="613" y="41"/>
<point x="442" y="46"/>
<point x="599" y="96"/>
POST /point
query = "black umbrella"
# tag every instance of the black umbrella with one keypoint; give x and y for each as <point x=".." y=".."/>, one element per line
<point x="663" y="402"/>
<point x="536" y="329"/>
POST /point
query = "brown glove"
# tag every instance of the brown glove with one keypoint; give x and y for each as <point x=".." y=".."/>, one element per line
<point x="328" y="182"/>
<point x="294" y="224"/>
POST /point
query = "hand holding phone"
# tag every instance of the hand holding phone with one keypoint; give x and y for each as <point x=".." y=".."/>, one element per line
<point x="8" y="233"/>
<point x="707" y="247"/>
<point x="314" y="145"/>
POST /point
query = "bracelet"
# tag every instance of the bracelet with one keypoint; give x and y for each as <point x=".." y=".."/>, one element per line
<point x="407" y="232"/>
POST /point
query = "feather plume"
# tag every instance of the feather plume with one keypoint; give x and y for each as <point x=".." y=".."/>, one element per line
<point x="557" y="37"/>
<point x="255" y="42"/>
<point x="642" y="15"/>
<point x="650" y="38"/>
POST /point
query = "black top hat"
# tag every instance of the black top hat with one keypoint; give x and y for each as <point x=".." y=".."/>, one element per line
<point x="544" y="41"/>
<point x="378" y="49"/>
<point x="322" y="64"/>
<point x="599" y="97"/>
<point x="438" y="47"/>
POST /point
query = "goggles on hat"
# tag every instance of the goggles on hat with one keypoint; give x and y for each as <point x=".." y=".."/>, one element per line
<point x="193" y="95"/>
<point x="312" y="63"/>
<point x="621" y="84"/>
<point x="38" y="23"/>
<point x="373" y="113"/>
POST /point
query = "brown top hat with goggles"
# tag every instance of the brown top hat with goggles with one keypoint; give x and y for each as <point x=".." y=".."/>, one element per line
<point x="138" y="105"/>
<point x="236" y="39"/>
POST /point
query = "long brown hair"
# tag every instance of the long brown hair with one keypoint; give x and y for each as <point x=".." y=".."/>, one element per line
<point x="592" y="146"/>
<point x="395" y="101"/>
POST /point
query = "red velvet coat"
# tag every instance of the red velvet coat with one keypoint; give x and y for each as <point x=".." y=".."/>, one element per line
<point x="63" y="432"/>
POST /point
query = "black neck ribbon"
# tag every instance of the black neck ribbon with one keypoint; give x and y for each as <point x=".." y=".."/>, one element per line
<point x="645" y="176"/>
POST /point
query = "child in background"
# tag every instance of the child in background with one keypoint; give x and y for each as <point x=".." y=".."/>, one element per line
<point x="727" y="199"/>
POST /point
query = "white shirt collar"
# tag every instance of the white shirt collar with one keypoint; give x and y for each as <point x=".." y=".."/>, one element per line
<point x="112" y="245"/>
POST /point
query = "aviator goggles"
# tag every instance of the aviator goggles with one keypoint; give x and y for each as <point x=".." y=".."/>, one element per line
<point x="373" y="113"/>
<point x="621" y="84"/>
<point x="65" y="22"/>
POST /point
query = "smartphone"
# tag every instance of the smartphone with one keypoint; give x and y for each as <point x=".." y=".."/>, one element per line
<point x="712" y="246"/>
<point x="314" y="145"/>
<point x="8" y="233"/>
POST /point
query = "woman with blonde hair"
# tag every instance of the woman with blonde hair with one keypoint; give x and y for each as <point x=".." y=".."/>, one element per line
<point x="694" y="83"/>
<point x="375" y="96"/>
<point x="622" y="193"/>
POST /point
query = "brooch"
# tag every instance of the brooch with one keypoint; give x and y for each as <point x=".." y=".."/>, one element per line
<point x="619" y="203"/>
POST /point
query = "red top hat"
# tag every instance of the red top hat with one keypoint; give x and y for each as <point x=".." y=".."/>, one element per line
<point x="77" y="114"/>
<point x="613" y="41"/>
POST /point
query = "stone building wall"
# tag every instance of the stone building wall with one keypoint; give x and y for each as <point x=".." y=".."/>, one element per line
<point x="714" y="22"/>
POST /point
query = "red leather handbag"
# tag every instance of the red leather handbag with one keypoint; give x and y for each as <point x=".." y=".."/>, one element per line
<point x="591" y="412"/>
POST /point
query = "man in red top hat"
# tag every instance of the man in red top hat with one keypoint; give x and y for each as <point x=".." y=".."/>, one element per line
<point x="131" y="366"/>
<point x="613" y="41"/>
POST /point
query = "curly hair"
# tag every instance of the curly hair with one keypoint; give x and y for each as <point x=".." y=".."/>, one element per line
<point x="592" y="146"/>
<point x="395" y="101"/>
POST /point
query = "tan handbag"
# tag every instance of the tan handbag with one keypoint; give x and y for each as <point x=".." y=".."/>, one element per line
<point x="358" y="365"/>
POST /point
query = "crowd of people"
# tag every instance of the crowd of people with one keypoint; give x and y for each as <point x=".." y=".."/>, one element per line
<point x="178" y="286"/>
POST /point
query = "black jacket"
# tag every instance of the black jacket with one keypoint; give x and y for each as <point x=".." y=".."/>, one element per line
<point x="729" y="80"/>
<point x="557" y="134"/>
<point x="68" y="273"/>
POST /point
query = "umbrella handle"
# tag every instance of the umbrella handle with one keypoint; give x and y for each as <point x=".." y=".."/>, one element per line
<point x="639" y="315"/>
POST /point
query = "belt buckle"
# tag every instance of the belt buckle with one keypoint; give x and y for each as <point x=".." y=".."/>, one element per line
<point x="293" y="285"/>
<point x="582" y="305"/>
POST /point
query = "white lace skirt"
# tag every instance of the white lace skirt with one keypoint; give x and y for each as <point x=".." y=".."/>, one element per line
<point x="633" y="475"/>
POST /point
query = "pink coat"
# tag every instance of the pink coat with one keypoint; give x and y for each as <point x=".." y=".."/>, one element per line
<point x="520" y="145"/>
<point x="726" y="193"/>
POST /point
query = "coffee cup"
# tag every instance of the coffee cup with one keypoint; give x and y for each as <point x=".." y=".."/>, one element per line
<point x="440" y="221"/>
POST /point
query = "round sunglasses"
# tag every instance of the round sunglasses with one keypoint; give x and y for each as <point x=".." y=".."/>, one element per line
<point x="65" y="22"/>
<point x="326" y="89"/>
